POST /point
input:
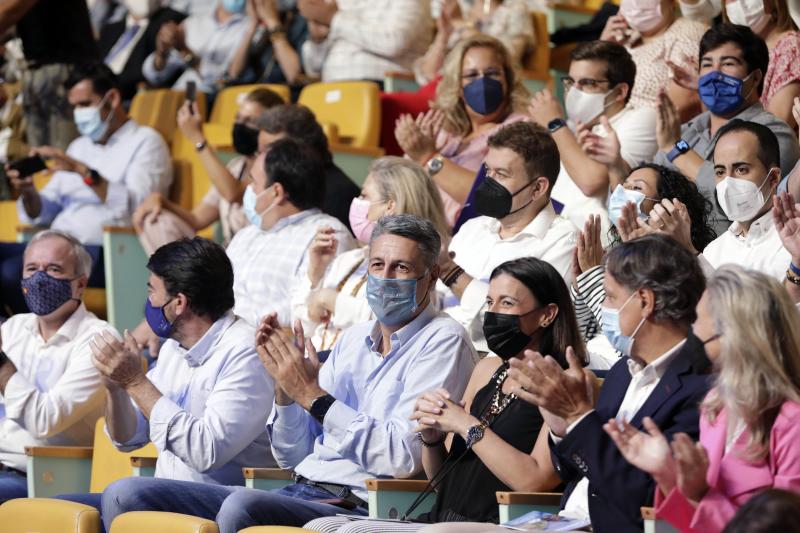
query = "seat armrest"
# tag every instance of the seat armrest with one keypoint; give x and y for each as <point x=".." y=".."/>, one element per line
<point x="143" y="466"/>
<point x="68" y="452"/>
<point x="391" y="498"/>
<point x="267" y="478"/>
<point x="512" y="505"/>
<point x="398" y="485"/>
<point x="56" y="470"/>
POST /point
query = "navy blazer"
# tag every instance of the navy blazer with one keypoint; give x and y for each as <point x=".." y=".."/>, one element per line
<point x="618" y="490"/>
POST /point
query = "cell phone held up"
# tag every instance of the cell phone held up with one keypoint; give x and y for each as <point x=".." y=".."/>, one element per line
<point x="28" y="166"/>
<point x="191" y="94"/>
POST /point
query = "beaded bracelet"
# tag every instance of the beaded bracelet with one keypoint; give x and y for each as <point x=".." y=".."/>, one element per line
<point x="794" y="268"/>
<point x="792" y="278"/>
<point x="431" y="444"/>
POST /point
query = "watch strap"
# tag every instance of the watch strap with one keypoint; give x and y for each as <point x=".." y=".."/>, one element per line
<point x="556" y="124"/>
<point x="320" y="406"/>
<point x="681" y="147"/>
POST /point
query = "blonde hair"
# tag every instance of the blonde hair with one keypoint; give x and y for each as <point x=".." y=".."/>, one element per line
<point x="448" y="93"/>
<point x="411" y="188"/>
<point x="760" y="351"/>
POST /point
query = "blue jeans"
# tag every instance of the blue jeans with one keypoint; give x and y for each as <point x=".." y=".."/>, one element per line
<point x="233" y="508"/>
<point x="12" y="485"/>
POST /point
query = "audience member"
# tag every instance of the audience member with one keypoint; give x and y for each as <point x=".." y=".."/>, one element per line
<point x="363" y="39"/>
<point x="298" y="123"/>
<point x="598" y="89"/>
<point x="282" y="203"/>
<point x="767" y="512"/>
<point x="52" y="394"/>
<point x="270" y="51"/>
<point x="518" y="221"/>
<point x="700" y="10"/>
<point x="657" y="36"/>
<point x="747" y="170"/>
<point x="652" y="287"/>
<point x="158" y="220"/>
<point x="192" y="7"/>
<point x="196" y="405"/>
<point x="333" y="294"/>
<point x="749" y="423"/>
<point x="104" y="174"/>
<point x="733" y="61"/>
<point x="56" y="36"/>
<point x="493" y="441"/>
<point x="481" y="90"/>
<point x="126" y="43"/>
<point x="199" y="49"/>
<point x="343" y="422"/>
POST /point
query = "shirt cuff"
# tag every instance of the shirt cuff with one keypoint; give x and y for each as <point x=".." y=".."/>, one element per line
<point x="338" y="419"/>
<point x="286" y="415"/>
<point x="161" y="418"/>
<point x="557" y="439"/>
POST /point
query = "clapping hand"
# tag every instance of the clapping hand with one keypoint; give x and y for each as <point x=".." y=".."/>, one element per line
<point x="119" y="363"/>
<point x="417" y="137"/>
<point x="630" y="226"/>
<point x="691" y="460"/>
<point x="616" y="30"/>
<point x="649" y="452"/>
<point x="321" y="253"/>
<point x="685" y="75"/>
<point x="603" y="149"/>
<point x="437" y="414"/>
<point x="786" y="214"/>
<point x="672" y="218"/>
<point x="668" y="123"/>
<point x="588" y="251"/>
<point x="544" y="108"/>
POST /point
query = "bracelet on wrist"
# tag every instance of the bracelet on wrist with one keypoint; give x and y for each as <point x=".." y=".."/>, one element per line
<point x="794" y="268"/>
<point x="434" y="444"/>
<point x="792" y="277"/>
<point x="453" y="276"/>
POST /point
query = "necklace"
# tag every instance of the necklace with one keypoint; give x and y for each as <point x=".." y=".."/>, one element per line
<point x="500" y="400"/>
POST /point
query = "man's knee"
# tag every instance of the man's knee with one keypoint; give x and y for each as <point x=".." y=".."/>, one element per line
<point x="125" y="495"/>
<point x="239" y="510"/>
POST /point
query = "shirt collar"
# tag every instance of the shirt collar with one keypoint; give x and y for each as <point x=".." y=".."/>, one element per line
<point x="537" y="227"/>
<point x="121" y="132"/>
<point x="760" y="227"/>
<point x="658" y="367"/>
<point x="402" y="335"/>
<point x="203" y="349"/>
<point x="291" y="219"/>
<point x="702" y="123"/>
<point x="68" y="330"/>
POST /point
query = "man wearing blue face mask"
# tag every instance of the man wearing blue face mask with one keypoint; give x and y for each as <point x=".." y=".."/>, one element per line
<point x="101" y="178"/>
<point x="733" y="62"/>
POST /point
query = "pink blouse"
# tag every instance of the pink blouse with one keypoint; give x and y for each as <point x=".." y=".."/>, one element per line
<point x="784" y="66"/>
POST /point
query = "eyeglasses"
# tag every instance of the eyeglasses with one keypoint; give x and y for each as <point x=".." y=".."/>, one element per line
<point x="582" y="83"/>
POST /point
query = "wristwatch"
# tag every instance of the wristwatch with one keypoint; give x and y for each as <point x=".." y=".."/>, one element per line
<point x="92" y="178"/>
<point x="681" y="147"/>
<point x="475" y="433"/>
<point x="434" y="164"/>
<point x="556" y="124"/>
<point x="201" y="145"/>
<point x="319" y="407"/>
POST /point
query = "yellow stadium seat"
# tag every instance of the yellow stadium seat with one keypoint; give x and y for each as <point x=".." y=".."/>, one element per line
<point x="28" y="515"/>
<point x="353" y="106"/>
<point x="8" y="221"/>
<point x="227" y="102"/>
<point x="158" y="108"/>
<point x="140" y="521"/>
<point x="536" y="73"/>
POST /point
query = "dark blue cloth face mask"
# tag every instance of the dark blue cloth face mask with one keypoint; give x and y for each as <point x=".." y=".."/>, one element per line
<point x="44" y="294"/>
<point x="484" y="95"/>
<point x="157" y="320"/>
<point x="721" y="94"/>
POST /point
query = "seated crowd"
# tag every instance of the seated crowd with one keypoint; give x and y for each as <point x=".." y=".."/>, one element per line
<point x="593" y="294"/>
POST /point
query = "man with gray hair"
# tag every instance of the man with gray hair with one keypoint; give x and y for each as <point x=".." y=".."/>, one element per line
<point x="51" y="391"/>
<point x="340" y="423"/>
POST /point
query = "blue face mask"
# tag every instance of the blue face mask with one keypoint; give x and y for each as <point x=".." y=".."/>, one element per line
<point x="394" y="301"/>
<point x="484" y="95"/>
<point x="620" y="198"/>
<point x="44" y="294"/>
<point x="249" y="206"/>
<point x="89" y="122"/>
<point x="234" y="6"/>
<point x="613" y="331"/>
<point x="157" y="320"/>
<point x="721" y="94"/>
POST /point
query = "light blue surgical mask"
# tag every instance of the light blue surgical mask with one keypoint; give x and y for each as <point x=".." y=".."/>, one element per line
<point x="394" y="301"/>
<point x="620" y="198"/>
<point x="249" y="205"/>
<point x="613" y="331"/>
<point x="89" y="122"/>
<point x="234" y="6"/>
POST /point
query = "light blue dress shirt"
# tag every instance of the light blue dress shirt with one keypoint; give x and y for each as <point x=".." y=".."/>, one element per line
<point x="211" y="421"/>
<point x="367" y="433"/>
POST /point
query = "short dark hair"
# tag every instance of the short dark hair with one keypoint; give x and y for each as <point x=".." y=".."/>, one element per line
<point x="200" y="269"/>
<point x="264" y="97"/>
<point x="754" y="50"/>
<point x="297" y="122"/>
<point x="620" y="67"/>
<point x="548" y="287"/>
<point x="298" y="168"/>
<point x="103" y="78"/>
<point x="767" y="512"/>
<point x="769" y="151"/>
<point x="662" y="265"/>
<point x="536" y="147"/>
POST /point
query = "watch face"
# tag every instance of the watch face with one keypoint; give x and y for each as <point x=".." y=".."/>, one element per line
<point x="682" y="145"/>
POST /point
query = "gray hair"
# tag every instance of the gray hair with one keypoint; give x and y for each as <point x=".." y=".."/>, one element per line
<point x="415" y="228"/>
<point x="83" y="261"/>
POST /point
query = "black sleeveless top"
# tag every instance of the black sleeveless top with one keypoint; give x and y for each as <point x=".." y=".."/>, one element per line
<point x="467" y="493"/>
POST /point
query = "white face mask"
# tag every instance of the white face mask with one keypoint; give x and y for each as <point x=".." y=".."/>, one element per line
<point x="142" y="9"/>
<point x="584" y="107"/>
<point x="741" y="200"/>
<point x="747" y="13"/>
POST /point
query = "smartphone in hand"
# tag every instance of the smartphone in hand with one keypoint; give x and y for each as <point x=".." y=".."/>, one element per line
<point x="191" y="94"/>
<point x="28" y="166"/>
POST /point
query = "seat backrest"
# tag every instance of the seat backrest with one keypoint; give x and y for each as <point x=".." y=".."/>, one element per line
<point x="538" y="61"/>
<point x="24" y="515"/>
<point x="180" y="192"/>
<point x="228" y="100"/>
<point x="158" y="109"/>
<point x="353" y="106"/>
<point x="9" y="220"/>
<point x="108" y="463"/>
<point x="139" y="521"/>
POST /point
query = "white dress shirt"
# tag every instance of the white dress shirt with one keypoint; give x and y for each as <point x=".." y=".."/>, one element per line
<point x="760" y="249"/>
<point x="56" y="396"/>
<point x="211" y="420"/>
<point x="212" y="42"/>
<point x="479" y="249"/>
<point x="117" y="61"/>
<point x="350" y="309"/>
<point x="366" y="432"/>
<point x="636" y="131"/>
<point x="268" y="264"/>
<point x="135" y="160"/>
<point x="367" y="38"/>
<point x="644" y="380"/>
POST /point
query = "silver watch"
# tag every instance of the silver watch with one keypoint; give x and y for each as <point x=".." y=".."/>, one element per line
<point x="434" y="164"/>
<point x="475" y="433"/>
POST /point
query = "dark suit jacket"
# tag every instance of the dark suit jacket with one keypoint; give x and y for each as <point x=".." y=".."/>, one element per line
<point x="617" y="490"/>
<point x="339" y="193"/>
<point x="131" y="74"/>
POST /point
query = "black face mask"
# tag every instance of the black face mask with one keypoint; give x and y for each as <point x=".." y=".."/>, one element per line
<point x="245" y="139"/>
<point x="504" y="335"/>
<point x="494" y="200"/>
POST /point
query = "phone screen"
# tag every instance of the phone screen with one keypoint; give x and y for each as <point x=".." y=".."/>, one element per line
<point x="29" y="166"/>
